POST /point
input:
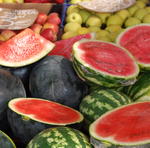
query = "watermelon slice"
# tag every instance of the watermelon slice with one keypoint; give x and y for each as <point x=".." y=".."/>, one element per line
<point x="104" y="63"/>
<point x="136" y="40"/>
<point x="45" y="111"/>
<point x="64" y="47"/>
<point x="23" y="49"/>
<point x="128" y="125"/>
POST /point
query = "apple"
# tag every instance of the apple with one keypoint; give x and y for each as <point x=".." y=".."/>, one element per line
<point x="51" y="26"/>
<point x="53" y="18"/>
<point x="73" y="27"/>
<point x="49" y="34"/>
<point x="36" y="28"/>
<point x="74" y="17"/>
<point x="93" y="21"/>
<point x="7" y="34"/>
<point x="41" y="18"/>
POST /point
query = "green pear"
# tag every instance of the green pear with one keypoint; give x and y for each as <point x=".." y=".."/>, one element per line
<point x="84" y="14"/>
<point x="83" y="30"/>
<point x="71" y="27"/>
<point x="72" y="8"/>
<point x="114" y="20"/>
<point x="140" y="4"/>
<point x="132" y="9"/>
<point x="93" y="21"/>
<point x="140" y="13"/>
<point x="74" y="17"/>
<point x="146" y="18"/>
<point x="131" y="21"/>
<point x="147" y="9"/>
<point x="93" y="28"/>
<point x="103" y="16"/>
<point x="124" y="13"/>
<point x="68" y="34"/>
<point x="113" y="28"/>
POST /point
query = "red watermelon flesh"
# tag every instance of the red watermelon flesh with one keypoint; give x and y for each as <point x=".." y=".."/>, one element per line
<point x="45" y="111"/>
<point x="137" y="41"/>
<point x="127" y="125"/>
<point x="107" y="57"/>
<point x="23" y="49"/>
<point x="64" y="47"/>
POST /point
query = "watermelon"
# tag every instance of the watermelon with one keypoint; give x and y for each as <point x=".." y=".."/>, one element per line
<point x="29" y="116"/>
<point x="99" y="102"/>
<point x="60" y="137"/>
<point x="104" y="63"/>
<point x="127" y="126"/>
<point x="23" y="49"/>
<point x="136" y="40"/>
<point x="141" y="89"/>
<point x="6" y="141"/>
<point x="64" y="47"/>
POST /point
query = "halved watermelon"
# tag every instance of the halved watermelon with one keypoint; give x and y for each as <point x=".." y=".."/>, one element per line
<point x="136" y="40"/>
<point x="23" y="49"/>
<point x="64" y="47"/>
<point x="104" y="63"/>
<point x="128" y="125"/>
<point x="29" y="116"/>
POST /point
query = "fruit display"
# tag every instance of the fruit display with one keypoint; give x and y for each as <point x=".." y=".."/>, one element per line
<point x="76" y="78"/>
<point x="107" y="25"/>
<point x="123" y="127"/>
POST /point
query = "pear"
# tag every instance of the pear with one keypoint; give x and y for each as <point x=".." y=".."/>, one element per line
<point x="68" y="34"/>
<point x="93" y="21"/>
<point x="84" y="15"/>
<point x="132" y="21"/>
<point x="140" y="13"/>
<point x="71" y="27"/>
<point x="114" y="20"/>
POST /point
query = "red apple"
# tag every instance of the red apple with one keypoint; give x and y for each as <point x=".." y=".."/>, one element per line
<point x="53" y="18"/>
<point x="51" y="26"/>
<point x="7" y="34"/>
<point x="49" y="34"/>
<point x="41" y="18"/>
<point x="36" y="28"/>
<point x="59" y="1"/>
<point x="37" y="1"/>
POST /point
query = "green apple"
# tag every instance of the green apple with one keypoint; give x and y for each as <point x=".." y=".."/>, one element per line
<point x="84" y="14"/>
<point x="103" y="16"/>
<point x="72" y="8"/>
<point x="140" y="4"/>
<point x="72" y="27"/>
<point x="83" y="30"/>
<point x="132" y="21"/>
<point x="93" y="21"/>
<point x="74" y="17"/>
<point x="75" y="1"/>
<point x="114" y="20"/>
<point x="124" y="13"/>
<point x="132" y="9"/>
<point x="146" y="18"/>
<point x="68" y="34"/>
<point x="140" y="13"/>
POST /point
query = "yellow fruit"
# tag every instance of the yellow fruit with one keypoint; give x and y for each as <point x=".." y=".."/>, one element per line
<point x="140" y="4"/>
<point x="114" y="20"/>
<point x="132" y="9"/>
<point x="103" y="16"/>
<point x="104" y="38"/>
<point x="145" y="1"/>
<point x="146" y="18"/>
<point x="93" y="29"/>
<point x="114" y="35"/>
<point x="8" y="1"/>
<point x="72" y="8"/>
<point x="93" y="21"/>
<point x="132" y="21"/>
<point x="1" y="1"/>
<point x="84" y="14"/>
<point x="71" y="27"/>
<point x="74" y="17"/>
<point x="113" y="28"/>
<point x="75" y="1"/>
<point x="147" y="9"/>
<point x="83" y="30"/>
<point x="140" y="13"/>
<point x="69" y="34"/>
<point x="124" y="13"/>
<point x="101" y="33"/>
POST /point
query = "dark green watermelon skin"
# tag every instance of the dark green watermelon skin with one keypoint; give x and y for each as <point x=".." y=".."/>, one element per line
<point x="24" y="130"/>
<point x="54" y="78"/>
<point x="10" y="87"/>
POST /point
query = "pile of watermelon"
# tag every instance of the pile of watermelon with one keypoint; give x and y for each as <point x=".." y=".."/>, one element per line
<point x="77" y="92"/>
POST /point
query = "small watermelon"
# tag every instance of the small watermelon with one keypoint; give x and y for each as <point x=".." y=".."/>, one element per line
<point x="23" y="49"/>
<point x="136" y="40"/>
<point x="6" y="141"/>
<point x="99" y="102"/>
<point x="64" y="47"/>
<point x="104" y="63"/>
<point x="29" y="116"/>
<point x="125" y="127"/>
<point x="60" y="137"/>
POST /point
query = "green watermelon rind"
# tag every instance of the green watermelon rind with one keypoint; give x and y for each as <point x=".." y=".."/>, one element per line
<point x="47" y="48"/>
<point x="100" y="101"/>
<point x="30" y="117"/>
<point x="92" y="75"/>
<point x="141" y="64"/>
<point x="110" y="141"/>
<point x="10" y="140"/>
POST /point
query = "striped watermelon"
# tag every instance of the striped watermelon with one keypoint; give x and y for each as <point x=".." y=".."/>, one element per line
<point x="141" y="89"/>
<point x="60" y="137"/>
<point x="100" y="101"/>
<point x="104" y="63"/>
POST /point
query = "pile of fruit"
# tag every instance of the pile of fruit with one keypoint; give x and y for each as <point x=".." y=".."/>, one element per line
<point x="82" y="91"/>
<point x="106" y="25"/>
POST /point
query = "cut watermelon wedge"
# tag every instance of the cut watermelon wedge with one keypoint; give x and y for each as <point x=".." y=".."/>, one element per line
<point x="136" y="40"/>
<point x="128" y="125"/>
<point x="64" y="47"/>
<point x="23" y="49"/>
<point x="45" y="111"/>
